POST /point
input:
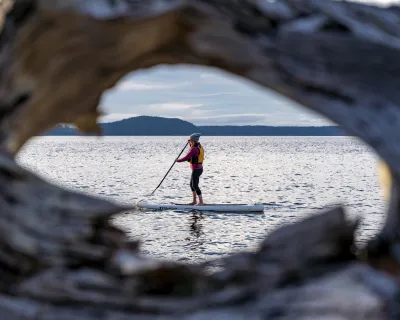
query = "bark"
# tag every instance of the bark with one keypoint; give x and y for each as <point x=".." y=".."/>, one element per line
<point x="60" y="256"/>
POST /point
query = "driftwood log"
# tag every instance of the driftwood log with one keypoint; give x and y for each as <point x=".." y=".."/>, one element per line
<point x="61" y="258"/>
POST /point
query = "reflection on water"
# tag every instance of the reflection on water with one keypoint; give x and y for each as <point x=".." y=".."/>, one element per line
<point x="195" y="224"/>
<point x="292" y="176"/>
<point x="196" y="237"/>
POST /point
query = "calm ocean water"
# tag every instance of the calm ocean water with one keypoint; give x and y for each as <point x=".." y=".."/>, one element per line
<point x="292" y="176"/>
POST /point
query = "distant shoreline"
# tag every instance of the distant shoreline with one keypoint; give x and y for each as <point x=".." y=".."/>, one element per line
<point x="158" y="126"/>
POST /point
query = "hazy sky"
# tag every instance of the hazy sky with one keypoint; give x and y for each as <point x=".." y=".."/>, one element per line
<point x="204" y="96"/>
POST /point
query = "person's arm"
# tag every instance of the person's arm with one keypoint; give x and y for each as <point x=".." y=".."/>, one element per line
<point x="190" y="154"/>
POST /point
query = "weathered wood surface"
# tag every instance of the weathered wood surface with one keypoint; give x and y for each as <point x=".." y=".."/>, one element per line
<point x="60" y="258"/>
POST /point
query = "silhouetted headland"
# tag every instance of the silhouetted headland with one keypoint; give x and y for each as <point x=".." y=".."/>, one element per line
<point x="158" y="126"/>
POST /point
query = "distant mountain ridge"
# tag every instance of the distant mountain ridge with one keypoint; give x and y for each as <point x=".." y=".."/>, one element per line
<point x="159" y="126"/>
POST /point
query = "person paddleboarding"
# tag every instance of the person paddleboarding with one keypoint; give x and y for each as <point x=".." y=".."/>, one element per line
<point x="196" y="157"/>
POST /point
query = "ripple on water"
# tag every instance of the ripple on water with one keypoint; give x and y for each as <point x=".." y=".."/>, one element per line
<point x="299" y="177"/>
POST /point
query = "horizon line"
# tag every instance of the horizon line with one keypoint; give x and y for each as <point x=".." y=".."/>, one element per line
<point x="211" y="125"/>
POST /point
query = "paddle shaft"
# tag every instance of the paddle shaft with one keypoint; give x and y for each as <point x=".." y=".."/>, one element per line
<point x="170" y="168"/>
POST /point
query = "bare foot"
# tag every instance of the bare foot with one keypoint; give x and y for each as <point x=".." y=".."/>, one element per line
<point x="200" y="204"/>
<point x="192" y="204"/>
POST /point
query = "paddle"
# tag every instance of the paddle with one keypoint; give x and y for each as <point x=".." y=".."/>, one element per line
<point x="170" y="169"/>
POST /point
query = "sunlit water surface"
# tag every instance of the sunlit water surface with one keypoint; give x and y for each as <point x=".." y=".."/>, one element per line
<point x="292" y="176"/>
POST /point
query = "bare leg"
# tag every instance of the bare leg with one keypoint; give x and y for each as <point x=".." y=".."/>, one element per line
<point x="201" y="203"/>
<point x="194" y="199"/>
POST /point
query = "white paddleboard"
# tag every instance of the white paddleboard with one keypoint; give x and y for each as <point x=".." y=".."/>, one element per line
<point x="208" y="207"/>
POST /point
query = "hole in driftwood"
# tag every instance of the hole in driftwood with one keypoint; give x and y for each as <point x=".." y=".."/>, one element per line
<point x="278" y="155"/>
